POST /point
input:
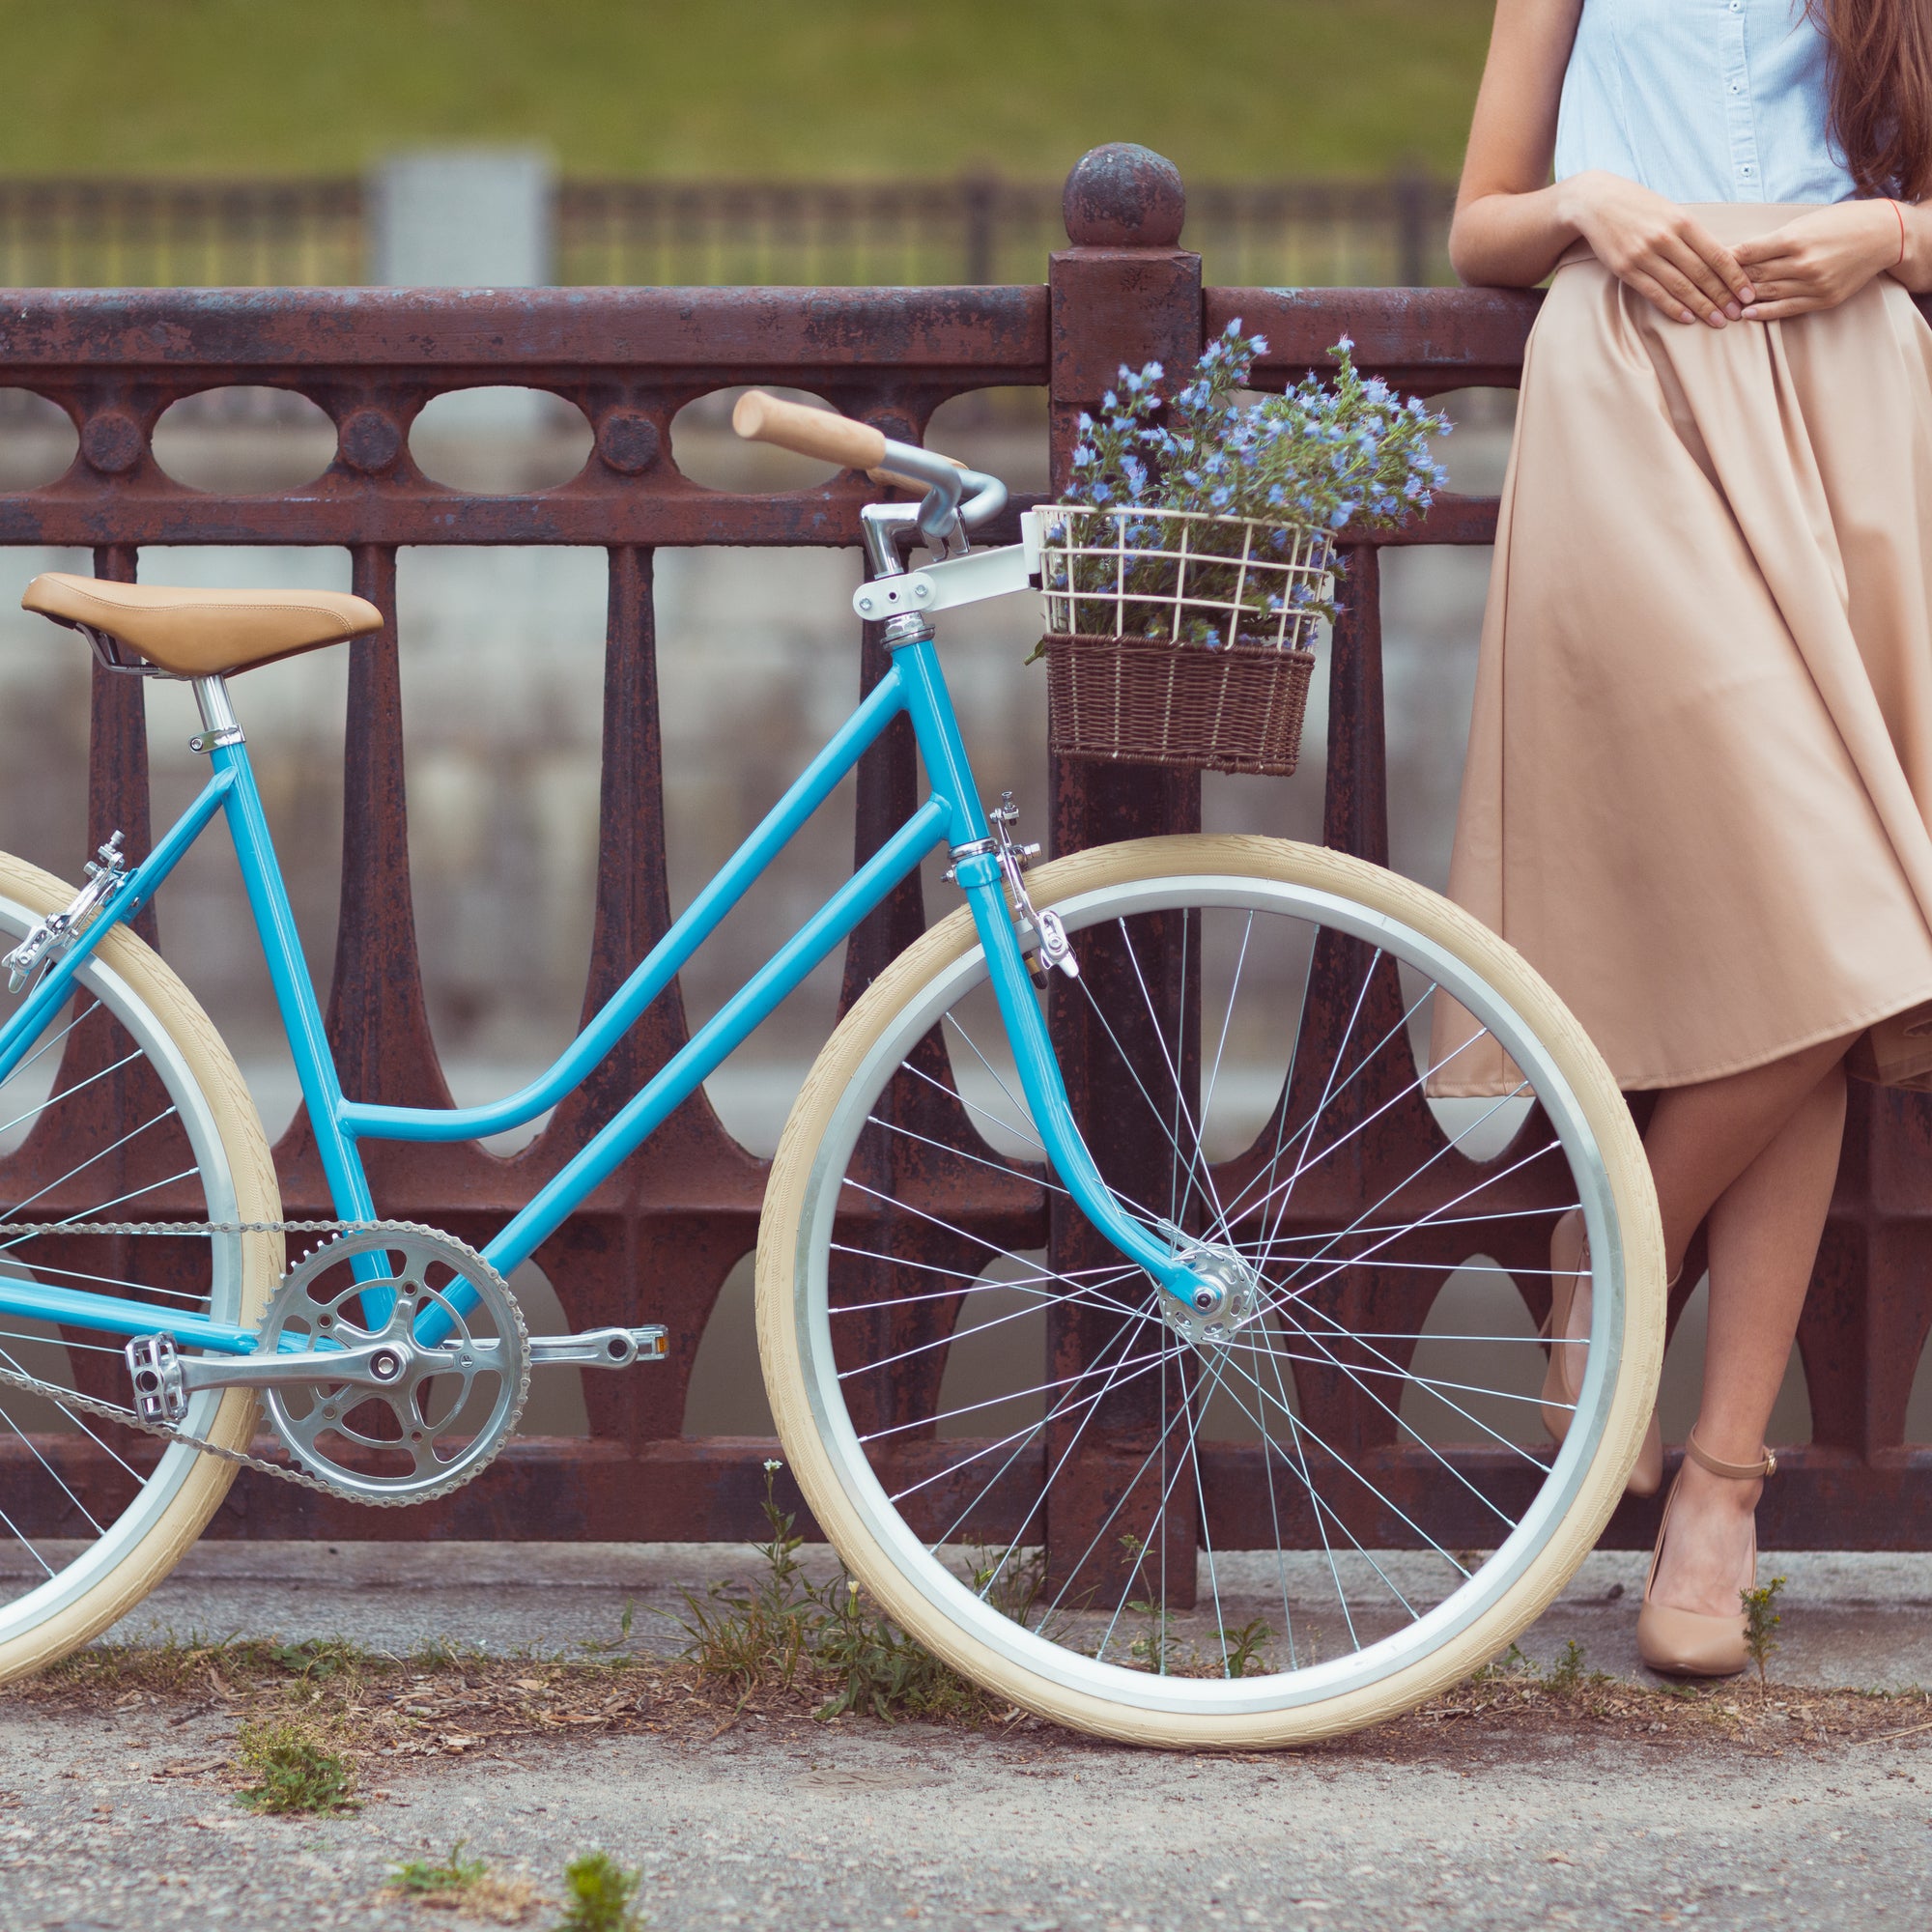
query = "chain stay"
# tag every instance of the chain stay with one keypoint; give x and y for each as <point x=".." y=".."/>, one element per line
<point x="72" y="1398"/>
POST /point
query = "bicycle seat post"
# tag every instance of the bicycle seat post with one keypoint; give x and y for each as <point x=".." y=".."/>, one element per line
<point x="220" y="724"/>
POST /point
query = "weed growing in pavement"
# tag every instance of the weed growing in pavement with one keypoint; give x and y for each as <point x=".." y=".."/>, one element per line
<point x="1567" y="1672"/>
<point x="878" y="1669"/>
<point x="292" y="1767"/>
<point x="1512" y="1663"/>
<point x="789" y="1634"/>
<point x="1566" y="1676"/>
<point x="600" y="1893"/>
<point x="464" y="1885"/>
<point x="1242" y="1648"/>
<point x="1761" y="1618"/>
<point x="425" y="1878"/>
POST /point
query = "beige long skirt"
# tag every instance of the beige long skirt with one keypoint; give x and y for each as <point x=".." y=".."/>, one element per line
<point x="1699" y="778"/>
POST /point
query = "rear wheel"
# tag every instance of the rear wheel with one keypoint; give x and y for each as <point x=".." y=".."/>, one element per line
<point x="127" y="1108"/>
<point x="1326" y="1507"/>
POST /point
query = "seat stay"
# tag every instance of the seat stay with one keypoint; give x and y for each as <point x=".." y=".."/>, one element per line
<point x="147" y="878"/>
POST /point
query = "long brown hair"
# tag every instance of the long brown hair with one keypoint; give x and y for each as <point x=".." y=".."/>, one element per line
<point x="1881" y="54"/>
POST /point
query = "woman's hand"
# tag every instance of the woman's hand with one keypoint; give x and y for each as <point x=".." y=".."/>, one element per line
<point x="1821" y="259"/>
<point x="1659" y="249"/>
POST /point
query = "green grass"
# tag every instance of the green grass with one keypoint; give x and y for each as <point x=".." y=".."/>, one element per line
<point x="788" y="1634"/>
<point x="292" y="1767"/>
<point x="433" y="1878"/>
<point x="600" y="1892"/>
<point x="843" y="88"/>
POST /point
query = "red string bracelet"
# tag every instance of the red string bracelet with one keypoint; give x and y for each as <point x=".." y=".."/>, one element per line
<point x="1900" y="212"/>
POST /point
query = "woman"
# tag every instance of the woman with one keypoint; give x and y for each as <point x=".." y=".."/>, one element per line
<point x="1701" y="769"/>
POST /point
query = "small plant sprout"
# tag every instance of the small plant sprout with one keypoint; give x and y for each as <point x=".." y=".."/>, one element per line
<point x="1567" y="1672"/>
<point x="1512" y="1663"/>
<point x="292" y="1767"/>
<point x="1243" y="1648"/>
<point x="599" y="1895"/>
<point x="1761" y="1619"/>
<point x="427" y="1878"/>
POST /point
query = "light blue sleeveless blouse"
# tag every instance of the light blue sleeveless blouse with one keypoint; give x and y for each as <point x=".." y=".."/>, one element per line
<point x="1702" y="100"/>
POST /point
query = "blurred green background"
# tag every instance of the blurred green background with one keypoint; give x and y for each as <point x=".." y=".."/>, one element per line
<point x="828" y="89"/>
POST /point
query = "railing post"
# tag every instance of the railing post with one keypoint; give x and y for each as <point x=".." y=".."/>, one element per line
<point x="1124" y="292"/>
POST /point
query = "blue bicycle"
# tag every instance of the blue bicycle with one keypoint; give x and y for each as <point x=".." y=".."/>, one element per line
<point x="1058" y="1380"/>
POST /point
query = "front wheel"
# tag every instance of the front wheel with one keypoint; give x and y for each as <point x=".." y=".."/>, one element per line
<point x="1300" y="1518"/>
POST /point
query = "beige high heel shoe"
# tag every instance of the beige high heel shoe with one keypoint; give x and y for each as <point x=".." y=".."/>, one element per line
<point x="1569" y="1270"/>
<point x="1687" y="1643"/>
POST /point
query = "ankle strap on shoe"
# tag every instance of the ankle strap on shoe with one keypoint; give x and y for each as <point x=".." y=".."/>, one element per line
<point x="1738" y="1473"/>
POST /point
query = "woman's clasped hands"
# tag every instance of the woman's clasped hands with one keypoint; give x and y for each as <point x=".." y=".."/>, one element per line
<point x="1661" y="251"/>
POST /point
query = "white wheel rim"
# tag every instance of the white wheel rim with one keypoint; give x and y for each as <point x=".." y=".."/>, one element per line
<point x="929" y="1576"/>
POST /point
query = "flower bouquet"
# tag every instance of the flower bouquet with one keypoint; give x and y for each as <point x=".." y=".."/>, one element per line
<point x="1188" y="569"/>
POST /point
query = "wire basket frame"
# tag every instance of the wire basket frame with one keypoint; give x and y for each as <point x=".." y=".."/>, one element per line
<point x="1182" y="576"/>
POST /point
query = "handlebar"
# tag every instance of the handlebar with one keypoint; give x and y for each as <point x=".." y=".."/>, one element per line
<point x="835" y="439"/>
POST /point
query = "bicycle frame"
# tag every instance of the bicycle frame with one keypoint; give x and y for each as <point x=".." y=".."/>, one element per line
<point x="913" y="686"/>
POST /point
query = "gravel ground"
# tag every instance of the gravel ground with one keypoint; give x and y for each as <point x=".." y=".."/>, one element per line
<point x="121" y="1815"/>
<point x="867" y="1827"/>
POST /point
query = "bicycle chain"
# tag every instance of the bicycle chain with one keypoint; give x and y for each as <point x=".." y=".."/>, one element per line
<point x="72" y="1399"/>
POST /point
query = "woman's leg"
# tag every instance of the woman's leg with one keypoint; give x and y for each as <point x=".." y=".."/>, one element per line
<point x="1786" y="1122"/>
<point x="1701" y="1139"/>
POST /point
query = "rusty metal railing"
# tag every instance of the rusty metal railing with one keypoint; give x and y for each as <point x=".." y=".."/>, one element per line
<point x="656" y="1243"/>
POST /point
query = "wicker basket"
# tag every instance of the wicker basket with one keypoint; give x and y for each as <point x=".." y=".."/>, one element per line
<point x="1179" y="638"/>
<point x="1233" y="710"/>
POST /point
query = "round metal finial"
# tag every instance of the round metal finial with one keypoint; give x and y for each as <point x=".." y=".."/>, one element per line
<point x="1123" y="196"/>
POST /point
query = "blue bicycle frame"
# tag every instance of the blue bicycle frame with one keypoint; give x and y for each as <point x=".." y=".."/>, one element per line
<point x="915" y="686"/>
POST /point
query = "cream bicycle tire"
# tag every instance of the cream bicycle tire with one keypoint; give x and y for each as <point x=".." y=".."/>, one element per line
<point x="923" y="1592"/>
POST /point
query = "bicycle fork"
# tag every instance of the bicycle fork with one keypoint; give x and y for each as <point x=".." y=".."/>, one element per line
<point x="985" y="866"/>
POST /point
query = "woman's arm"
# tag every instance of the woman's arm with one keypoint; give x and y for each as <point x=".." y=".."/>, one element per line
<point x="1512" y="226"/>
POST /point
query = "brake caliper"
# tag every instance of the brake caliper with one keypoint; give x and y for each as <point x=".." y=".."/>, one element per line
<point x="51" y="937"/>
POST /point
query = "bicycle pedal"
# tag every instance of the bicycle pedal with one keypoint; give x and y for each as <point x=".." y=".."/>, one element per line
<point x="161" y="1392"/>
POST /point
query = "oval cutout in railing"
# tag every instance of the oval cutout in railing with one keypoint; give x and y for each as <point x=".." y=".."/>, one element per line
<point x="500" y="442"/>
<point x="38" y="440"/>
<point x="708" y="451"/>
<point x="244" y="441"/>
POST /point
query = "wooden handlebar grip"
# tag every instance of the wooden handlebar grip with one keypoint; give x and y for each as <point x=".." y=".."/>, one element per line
<point x="893" y="479"/>
<point x="820" y="432"/>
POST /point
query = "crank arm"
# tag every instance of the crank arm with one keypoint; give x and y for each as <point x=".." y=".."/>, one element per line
<point x="601" y="1348"/>
<point x="372" y="1365"/>
<point x="165" y="1378"/>
<point x="592" y="1349"/>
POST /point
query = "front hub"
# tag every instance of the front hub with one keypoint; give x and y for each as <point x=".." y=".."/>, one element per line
<point x="1227" y="1300"/>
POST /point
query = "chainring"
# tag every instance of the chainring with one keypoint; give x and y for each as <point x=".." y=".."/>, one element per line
<point x="459" y="1374"/>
